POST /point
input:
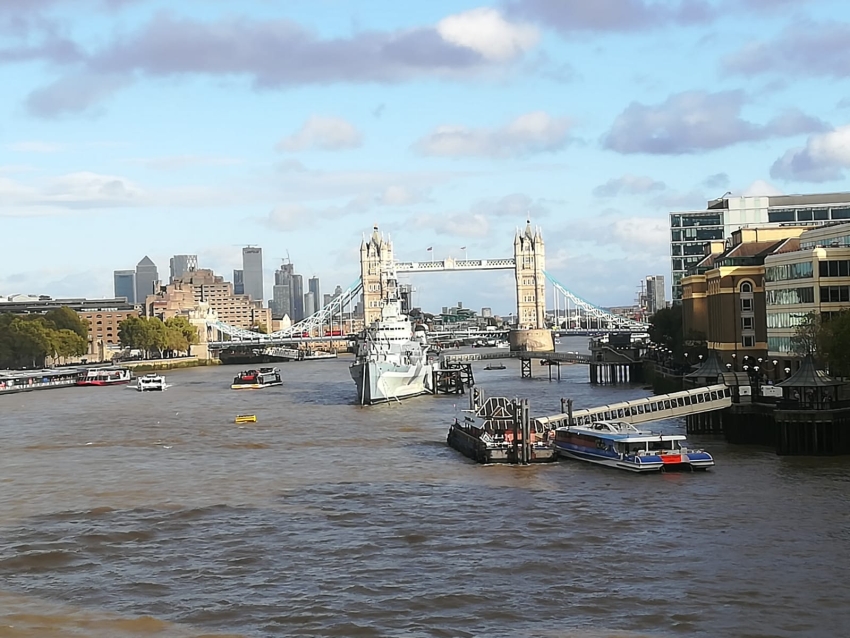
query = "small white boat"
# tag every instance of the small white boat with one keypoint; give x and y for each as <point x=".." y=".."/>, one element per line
<point x="151" y="382"/>
<point x="621" y="445"/>
<point x="503" y="344"/>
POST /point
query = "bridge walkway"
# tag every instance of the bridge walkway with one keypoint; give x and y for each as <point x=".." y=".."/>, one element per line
<point x="663" y="406"/>
<point x="560" y="357"/>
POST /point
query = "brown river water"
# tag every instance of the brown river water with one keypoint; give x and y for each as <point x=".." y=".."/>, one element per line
<point x="126" y="514"/>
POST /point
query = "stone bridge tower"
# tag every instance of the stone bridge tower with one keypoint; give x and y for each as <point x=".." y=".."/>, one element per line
<point x="377" y="272"/>
<point x="530" y="255"/>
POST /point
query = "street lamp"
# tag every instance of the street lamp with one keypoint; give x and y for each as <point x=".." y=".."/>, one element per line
<point x="735" y="361"/>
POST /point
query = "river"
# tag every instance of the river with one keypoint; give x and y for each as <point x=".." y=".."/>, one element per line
<point x="131" y="514"/>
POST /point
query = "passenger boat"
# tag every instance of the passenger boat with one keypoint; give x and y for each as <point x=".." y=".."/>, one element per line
<point x="104" y="376"/>
<point x="151" y="382"/>
<point x="256" y="379"/>
<point x="622" y="445"/>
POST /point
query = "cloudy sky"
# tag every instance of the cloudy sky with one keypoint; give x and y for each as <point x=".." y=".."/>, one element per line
<point x="133" y="127"/>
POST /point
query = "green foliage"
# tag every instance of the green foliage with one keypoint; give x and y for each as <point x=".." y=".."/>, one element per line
<point x="152" y="335"/>
<point x="666" y="328"/>
<point x="834" y="343"/>
<point x="27" y="340"/>
<point x="261" y="328"/>
<point x="807" y="335"/>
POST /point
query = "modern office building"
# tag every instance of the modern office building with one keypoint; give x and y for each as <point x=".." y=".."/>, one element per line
<point x="181" y="264"/>
<point x="815" y="277"/>
<point x="655" y="294"/>
<point x="314" y="287"/>
<point x="690" y="230"/>
<point x="238" y="282"/>
<point x="146" y="279"/>
<point x="297" y="296"/>
<point x="252" y="272"/>
<point x="309" y="304"/>
<point x="124" y="284"/>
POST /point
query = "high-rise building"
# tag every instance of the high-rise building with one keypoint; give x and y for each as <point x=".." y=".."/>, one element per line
<point x="281" y="304"/>
<point x="691" y="230"/>
<point x="146" y="278"/>
<point x="181" y="264"/>
<point x="297" y="296"/>
<point x="309" y="304"/>
<point x="313" y="286"/>
<point x="125" y="284"/>
<point x="238" y="282"/>
<point x="327" y="299"/>
<point x="252" y="272"/>
<point x="654" y="294"/>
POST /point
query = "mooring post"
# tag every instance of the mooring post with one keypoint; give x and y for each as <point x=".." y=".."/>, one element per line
<point x="515" y="422"/>
<point x="569" y="412"/>
<point x="526" y="432"/>
<point x="563" y="406"/>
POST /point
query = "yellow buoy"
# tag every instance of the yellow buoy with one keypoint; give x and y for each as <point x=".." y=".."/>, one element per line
<point x="246" y="418"/>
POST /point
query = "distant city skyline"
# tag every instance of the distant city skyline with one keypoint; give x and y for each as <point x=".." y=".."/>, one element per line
<point x="447" y="123"/>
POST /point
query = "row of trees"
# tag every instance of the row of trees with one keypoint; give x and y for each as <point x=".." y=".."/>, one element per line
<point x="152" y="335"/>
<point x="827" y="340"/>
<point x="27" y="340"/>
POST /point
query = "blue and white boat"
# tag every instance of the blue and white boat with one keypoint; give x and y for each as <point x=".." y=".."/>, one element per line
<point x="621" y="445"/>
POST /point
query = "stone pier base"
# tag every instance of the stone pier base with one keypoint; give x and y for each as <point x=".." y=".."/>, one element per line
<point x="532" y="341"/>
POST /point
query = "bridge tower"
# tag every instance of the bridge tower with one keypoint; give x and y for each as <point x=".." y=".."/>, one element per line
<point x="377" y="272"/>
<point x="530" y="257"/>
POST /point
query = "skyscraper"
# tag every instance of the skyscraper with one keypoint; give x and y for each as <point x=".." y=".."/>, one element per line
<point x="309" y="304"/>
<point x="252" y="272"/>
<point x="313" y="286"/>
<point x="655" y="294"/>
<point x="125" y="284"/>
<point x="238" y="282"/>
<point x="297" y="296"/>
<point x="146" y="278"/>
<point x="181" y="264"/>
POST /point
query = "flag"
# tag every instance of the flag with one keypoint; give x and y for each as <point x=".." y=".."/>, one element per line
<point x="430" y="248"/>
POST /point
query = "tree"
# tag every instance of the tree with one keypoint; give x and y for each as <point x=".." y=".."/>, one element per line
<point x="67" y="343"/>
<point x="834" y="343"/>
<point x="66" y="319"/>
<point x="666" y="329"/>
<point x="132" y="333"/>
<point x="181" y="324"/>
<point x="31" y="341"/>
<point x="806" y="336"/>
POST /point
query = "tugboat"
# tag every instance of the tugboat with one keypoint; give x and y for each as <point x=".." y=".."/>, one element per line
<point x="256" y="379"/>
<point x="104" y="376"/>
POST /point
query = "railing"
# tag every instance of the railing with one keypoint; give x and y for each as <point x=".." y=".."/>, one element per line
<point x="559" y="357"/>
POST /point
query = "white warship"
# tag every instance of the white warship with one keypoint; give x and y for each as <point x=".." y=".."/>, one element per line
<point x="392" y="362"/>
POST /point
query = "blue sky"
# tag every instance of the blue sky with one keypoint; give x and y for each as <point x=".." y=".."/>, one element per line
<point x="134" y="127"/>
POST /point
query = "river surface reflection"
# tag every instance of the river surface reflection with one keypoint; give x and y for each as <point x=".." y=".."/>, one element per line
<point x="148" y="514"/>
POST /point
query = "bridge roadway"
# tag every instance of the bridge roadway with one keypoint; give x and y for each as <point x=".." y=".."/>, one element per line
<point x="560" y="357"/>
<point x="655" y="408"/>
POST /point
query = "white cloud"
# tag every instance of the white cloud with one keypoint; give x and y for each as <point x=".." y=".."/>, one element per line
<point x="84" y="190"/>
<point x="628" y="185"/>
<point x="396" y="195"/>
<point x="459" y="225"/>
<point x="322" y="133"/>
<point x="534" y="132"/>
<point x="34" y="146"/>
<point x="760" y="188"/>
<point x="485" y="31"/>
<point x="824" y="158"/>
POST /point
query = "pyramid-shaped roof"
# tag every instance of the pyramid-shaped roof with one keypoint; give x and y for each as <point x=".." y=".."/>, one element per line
<point x="146" y="261"/>
<point x="711" y="367"/>
<point x="808" y="376"/>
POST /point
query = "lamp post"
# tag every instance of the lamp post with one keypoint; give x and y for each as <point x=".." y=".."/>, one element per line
<point x="735" y="361"/>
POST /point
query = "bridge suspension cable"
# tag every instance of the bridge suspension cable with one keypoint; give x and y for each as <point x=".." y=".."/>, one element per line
<point x="586" y="311"/>
<point x="330" y="315"/>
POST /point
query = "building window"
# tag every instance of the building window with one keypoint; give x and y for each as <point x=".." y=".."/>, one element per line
<point x="789" y="296"/>
<point x="746" y="287"/>
<point x="746" y="305"/>
<point x="748" y="341"/>
<point x="803" y="270"/>
<point x="746" y="323"/>
<point x="834" y="294"/>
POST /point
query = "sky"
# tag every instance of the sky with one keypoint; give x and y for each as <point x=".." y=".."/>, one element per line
<point x="149" y="127"/>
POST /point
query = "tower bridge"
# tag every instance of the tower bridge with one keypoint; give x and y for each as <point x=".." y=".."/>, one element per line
<point x="377" y="284"/>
